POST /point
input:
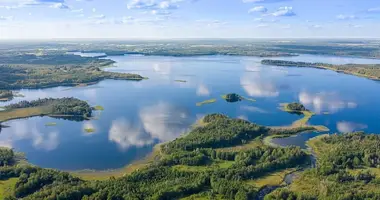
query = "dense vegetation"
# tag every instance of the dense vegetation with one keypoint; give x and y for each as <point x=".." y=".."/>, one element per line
<point x="232" y="97"/>
<point x="50" y="106"/>
<point x="371" y="71"/>
<point x="296" y="107"/>
<point x="16" y="77"/>
<point x="6" y="156"/>
<point x="201" y="169"/>
<point x="348" y="168"/>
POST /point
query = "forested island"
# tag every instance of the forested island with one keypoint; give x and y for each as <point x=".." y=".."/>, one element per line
<point x="371" y="71"/>
<point x="32" y="72"/>
<point x="222" y="158"/>
<point x="62" y="107"/>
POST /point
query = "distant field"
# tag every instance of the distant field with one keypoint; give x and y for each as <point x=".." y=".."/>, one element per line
<point x="6" y="187"/>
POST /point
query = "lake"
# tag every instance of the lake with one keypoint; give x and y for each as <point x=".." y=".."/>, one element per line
<point x="138" y="115"/>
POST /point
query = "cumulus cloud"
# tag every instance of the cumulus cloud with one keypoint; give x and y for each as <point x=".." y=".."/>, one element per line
<point x="152" y="4"/>
<point x="60" y="4"/>
<point x="255" y="86"/>
<point x="346" y="17"/>
<point x="324" y="102"/>
<point x="346" y="127"/>
<point x="285" y="11"/>
<point x="260" y="9"/>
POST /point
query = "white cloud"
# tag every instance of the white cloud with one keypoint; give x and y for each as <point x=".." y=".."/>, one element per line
<point x="371" y="10"/>
<point x="285" y="11"/>
<point x="346" y="17"/>
<point x="8" y="18"/>
<point x="347" y="127"/>
<point x="261" y="9"/>
<point x="60" y="6"/>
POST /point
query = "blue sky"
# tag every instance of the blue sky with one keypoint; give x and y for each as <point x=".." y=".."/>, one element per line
<point x="45" y="19"/>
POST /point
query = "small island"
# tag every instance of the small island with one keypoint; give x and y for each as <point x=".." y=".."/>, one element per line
<point x="233" y="97"/>
<point x="6" y="95"/>
<point x="63" y="107"/>
<point x="297" y="108"/>
<point x="206" y="102"/>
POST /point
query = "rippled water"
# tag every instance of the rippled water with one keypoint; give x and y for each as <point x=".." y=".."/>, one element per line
<point x="139" y="115"/>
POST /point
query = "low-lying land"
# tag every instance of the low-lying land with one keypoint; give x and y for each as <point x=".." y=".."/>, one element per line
<point x="63" y="107"/>
<point x="371" y="71"/>
<point x="233" y="97"/>
<point x="32" y="72"/>
<point x="297" y="108"/>
<point x="206" y="102"/>
<point x="193" y="165"/>
<point x="222" y="159"/>
<point x="346" y="169"/>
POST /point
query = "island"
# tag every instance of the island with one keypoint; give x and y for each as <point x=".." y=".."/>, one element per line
<point x="370" y="71"/>
<point x="233" y="97"/>
<point x="209" y="101"/>
<point x="60" y="108"/>
<point x="32" y="72"/>
<point x="6" y="95"/>
<point x="223" y="158"/>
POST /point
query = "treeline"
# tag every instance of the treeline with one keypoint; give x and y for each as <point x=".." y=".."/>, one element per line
<point x="19" y="76"/>
<point x="371" y="71"/>
<point x="60" y="106"/>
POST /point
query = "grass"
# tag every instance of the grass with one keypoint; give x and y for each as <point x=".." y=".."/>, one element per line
<point x="7" y="187"/>
<point x="219" y="164"/>
<point x="51" y="124"/>
<point x="203" y="196"/>
<point x="303" y="122"/>
<point x="7" y="115"/>
<point x="89" y="130"/>
<point x="272" y="179"/>
<point x="98" y="108"/>
<point x="206" y="102"/>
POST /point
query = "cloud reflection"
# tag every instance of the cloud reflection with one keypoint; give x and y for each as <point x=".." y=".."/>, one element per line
<point x="23" y="131"/>
<point x="160" y="122"/>
<point x="324" y="102"/>
<point x="202" y="90"/>
<point x="347" y="127"/>
<point x="255" y="86"/>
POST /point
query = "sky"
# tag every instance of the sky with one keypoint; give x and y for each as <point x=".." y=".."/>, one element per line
<point x="165" y="19"/>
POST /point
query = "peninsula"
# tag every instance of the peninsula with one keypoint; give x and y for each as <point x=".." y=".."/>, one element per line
<point x="370" y="71"/>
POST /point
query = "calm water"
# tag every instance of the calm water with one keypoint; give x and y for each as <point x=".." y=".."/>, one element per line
<point x="139" y="115"/>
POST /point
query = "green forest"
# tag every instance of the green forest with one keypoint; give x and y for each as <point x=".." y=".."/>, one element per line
<point x="32" y="72"/>
<point x="223" y="158"/>
<point x="61" y="107"/>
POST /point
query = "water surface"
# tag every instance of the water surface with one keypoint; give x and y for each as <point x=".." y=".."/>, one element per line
<point x="139" y="115"/>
